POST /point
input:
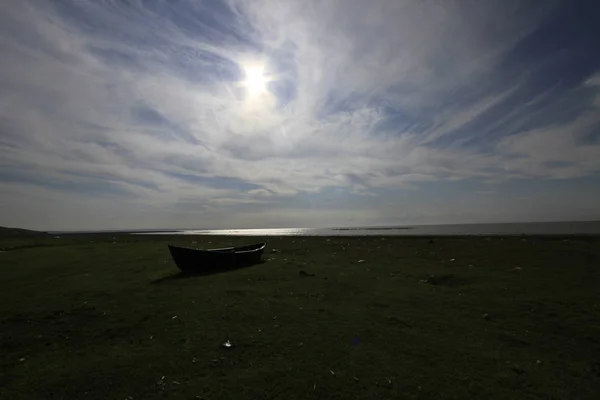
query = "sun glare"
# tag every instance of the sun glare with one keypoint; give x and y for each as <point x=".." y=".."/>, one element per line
<point x="256" y="81"/>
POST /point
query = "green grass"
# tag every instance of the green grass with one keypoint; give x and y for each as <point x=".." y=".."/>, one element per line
<point x="82" y="317"/>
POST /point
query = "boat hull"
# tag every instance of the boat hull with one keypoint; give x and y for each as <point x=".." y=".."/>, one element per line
<point x="216" y="260"/>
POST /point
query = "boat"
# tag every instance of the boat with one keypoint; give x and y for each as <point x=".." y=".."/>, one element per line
<point x="216" y="260"/>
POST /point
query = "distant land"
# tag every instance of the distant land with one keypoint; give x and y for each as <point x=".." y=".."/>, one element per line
<point x="18" y="232"/>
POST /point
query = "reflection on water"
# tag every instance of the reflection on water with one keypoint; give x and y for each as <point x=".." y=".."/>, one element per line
<point x="539" y="228"/>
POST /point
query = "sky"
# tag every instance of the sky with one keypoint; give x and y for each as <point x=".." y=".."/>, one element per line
<point x="150" y="114"/>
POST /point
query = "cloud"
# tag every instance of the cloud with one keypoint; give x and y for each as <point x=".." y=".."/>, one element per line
<point x="558" y="151"/>
<point x="119" y="104"/>
<point x="594" y="80"/>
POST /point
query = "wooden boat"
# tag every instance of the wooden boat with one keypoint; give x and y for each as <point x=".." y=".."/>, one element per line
<point x="216" y="260"/>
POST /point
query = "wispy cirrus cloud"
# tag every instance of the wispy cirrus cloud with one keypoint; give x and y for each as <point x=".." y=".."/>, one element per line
<point x="375" y="112"/>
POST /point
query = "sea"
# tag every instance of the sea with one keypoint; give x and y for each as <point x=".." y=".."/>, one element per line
<point x="529" y="228"/>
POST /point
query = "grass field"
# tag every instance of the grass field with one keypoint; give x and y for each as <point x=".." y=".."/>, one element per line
<point x="92" y="317"/>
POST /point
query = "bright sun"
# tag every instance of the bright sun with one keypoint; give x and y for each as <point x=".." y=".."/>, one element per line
<point x="256" y="81"/>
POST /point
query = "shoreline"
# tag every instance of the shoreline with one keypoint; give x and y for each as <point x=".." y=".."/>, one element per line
<point x="507" y="228"/>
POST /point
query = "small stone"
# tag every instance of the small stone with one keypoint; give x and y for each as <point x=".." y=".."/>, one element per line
<point x="538" y="362"/>
<point x="361" y="261"/>
<point x="486" y="316"/>
<point x="22" y="359"/>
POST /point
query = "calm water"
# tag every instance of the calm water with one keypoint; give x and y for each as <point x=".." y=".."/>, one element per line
<point x="537" y="228"/>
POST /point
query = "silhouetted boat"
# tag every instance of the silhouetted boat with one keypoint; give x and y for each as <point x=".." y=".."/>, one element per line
<point x="215" y="260"/>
